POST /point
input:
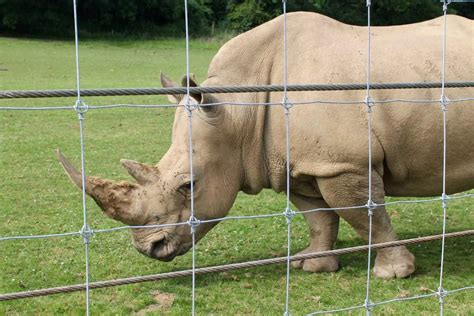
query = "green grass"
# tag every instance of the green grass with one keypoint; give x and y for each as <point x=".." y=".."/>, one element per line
<point x="37" y="198"/>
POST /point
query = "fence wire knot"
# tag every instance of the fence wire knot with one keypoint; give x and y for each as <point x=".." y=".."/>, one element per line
<point x="441" y="294"/>
<point x="289" y="214"/>
<point x="444" y="200"/>
<point x="86" y="233"/>
<point x="371" y="205"/>
<point x="369" y="306"/>
<point x="193" y="222"/>
<point x="369" y="102"/>
<point x="286" y="103"/>
<point x="445" y="5"/>
<point x="444" y="102"/>
<point x="80" y="106"/>
<point x="190" y="104"/>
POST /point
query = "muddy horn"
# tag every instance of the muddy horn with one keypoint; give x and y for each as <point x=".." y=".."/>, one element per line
<point x="113" y="198"/>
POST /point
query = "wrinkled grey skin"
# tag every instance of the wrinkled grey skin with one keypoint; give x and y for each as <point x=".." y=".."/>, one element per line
<point x="243" y="148"/>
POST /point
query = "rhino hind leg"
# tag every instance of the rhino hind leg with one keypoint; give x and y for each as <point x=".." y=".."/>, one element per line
<point x="350" y="190"/>
<point x="323" y="228"/>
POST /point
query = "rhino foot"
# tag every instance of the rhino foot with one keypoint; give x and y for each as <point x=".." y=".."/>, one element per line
<point x="325" y="264"/>
<point x="395" y="262"/>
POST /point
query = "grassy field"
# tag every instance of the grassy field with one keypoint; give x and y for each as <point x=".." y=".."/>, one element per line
<point x="37" y="198"/>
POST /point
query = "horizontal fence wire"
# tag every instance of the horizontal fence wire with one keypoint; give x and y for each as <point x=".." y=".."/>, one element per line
<point x="390" y="301"/>
<point x="18" y="94"/>
<point x="229" y="267"/>
<point x="240" y="217"/>
<point x="339" y="310"/>
<point x="371" y="305"/>
<point x="314" y="102"/>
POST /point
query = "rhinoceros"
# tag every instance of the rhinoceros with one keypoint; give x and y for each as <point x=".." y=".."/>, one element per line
<point x="242" y="148"/>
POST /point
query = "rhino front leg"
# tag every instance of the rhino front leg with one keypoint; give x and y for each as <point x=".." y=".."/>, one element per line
<point x="323" y="228"/>
<point x="351" y="190"/>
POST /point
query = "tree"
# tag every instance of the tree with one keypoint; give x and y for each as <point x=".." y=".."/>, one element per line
<point x="165" y="17"/>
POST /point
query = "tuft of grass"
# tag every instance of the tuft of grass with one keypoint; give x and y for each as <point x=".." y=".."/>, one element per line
<point x="37" y="198"/>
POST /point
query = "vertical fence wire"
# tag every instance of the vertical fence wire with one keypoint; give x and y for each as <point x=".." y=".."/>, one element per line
<point x="190" y="105"/>
<point x="444" y="107"/>
<point x="370" y="203"/>
<point x="81" y="109"/>
<point x="289" y="214"/>
<point x="85" y="231"/>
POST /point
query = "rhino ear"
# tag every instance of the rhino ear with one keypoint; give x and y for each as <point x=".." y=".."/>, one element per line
<point x="142" y="173"/>
<point x="201" y="98"/>
<point x="168" y="83"/>
<point x="115" y="199"/>
<point x="192" y="83"/>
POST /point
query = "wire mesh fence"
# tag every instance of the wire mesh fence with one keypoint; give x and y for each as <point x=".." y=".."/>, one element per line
<point x="190" y="105"/>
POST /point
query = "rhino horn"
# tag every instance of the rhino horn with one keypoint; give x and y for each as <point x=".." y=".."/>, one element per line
<point x="142" y="173"/>
<point x="113" y="198"/>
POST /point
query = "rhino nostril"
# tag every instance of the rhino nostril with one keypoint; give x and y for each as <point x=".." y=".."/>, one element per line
<point x="162" y="249"/>
<point x="157" y="246"/>
<point x="186" y="187"/>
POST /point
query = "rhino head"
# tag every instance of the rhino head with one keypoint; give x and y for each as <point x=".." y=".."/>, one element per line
<point x="162" y="193"/>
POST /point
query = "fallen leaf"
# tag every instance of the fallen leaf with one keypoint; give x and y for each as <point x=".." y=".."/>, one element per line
<point x="425" y="289"/>
<point x="404" y="293"/>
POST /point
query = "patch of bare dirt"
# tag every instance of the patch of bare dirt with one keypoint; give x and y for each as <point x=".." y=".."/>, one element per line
<point x="164" y="302"/>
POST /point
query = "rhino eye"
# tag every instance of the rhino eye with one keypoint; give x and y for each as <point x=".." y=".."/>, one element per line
<point x="211" y="111"/>
<point x="208" y="109"/>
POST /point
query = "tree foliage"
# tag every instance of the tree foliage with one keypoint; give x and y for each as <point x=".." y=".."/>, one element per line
<point x="165" y="17"/>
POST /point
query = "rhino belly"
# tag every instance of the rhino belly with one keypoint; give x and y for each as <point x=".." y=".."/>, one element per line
<point x="429" y="182"/>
